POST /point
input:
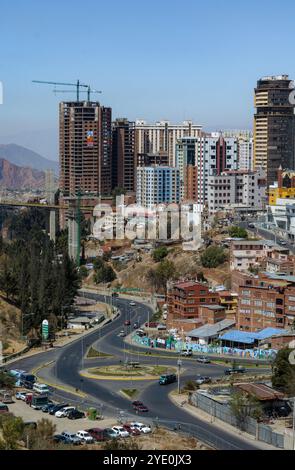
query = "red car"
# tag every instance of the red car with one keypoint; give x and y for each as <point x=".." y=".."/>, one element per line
<point x="127" y="322"/>
<point x="132" y="431"/>
<point x="139" y="406"/>
<point x="97" y="434"/>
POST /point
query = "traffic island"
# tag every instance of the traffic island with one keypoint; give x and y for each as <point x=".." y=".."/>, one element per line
<point x="126" y="372"/>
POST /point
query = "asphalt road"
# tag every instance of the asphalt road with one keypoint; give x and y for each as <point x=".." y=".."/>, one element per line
<point x="69" y="360"/>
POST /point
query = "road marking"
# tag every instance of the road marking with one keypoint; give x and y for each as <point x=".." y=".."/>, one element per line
<point x="118" y="379"/>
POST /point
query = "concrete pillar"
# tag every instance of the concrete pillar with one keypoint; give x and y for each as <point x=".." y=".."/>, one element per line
<point x="52" y="225"/>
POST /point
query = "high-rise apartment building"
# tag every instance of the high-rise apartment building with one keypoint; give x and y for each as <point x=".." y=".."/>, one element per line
<point x="201" y="157"/>
<point x="123" y="151"/>
<point x="273" y="125"/>
<point x="162" y="136"/>
<point x="157" y="185"/>
<point x="85" y="148"/>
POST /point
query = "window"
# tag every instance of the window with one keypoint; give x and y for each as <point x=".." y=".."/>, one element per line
<point x="246" y="292"/>
<point x="258" y="303"/>
<point x="245" y="302"/>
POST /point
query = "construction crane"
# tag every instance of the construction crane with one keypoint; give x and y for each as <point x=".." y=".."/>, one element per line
<point x="79" y="88"/>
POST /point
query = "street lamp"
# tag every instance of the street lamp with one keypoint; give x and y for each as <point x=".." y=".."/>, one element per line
<point x="179" y="364"/>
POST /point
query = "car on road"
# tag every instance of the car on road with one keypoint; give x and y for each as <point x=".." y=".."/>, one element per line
<point x="127" y="322"/>
<point x="234" y="370"/>
<point x="110" y="433"/>
<point x="64" y="411"/>
<point x="75" y="414"/>
<point x="186" y="353"/>
<point x="122" y="334"/>
<point x="71" y="438"/>
<point x="121" y="431"/>
<point x="167" y="379"/>
<point x="200" y="380"/>
<point x="97" y="434"/>
<point x="143" y="428"/>
<point x="140" y="333"/>
<point x="251" y="225"/>
<point x="140" y="407"/>
<point x="132" y="304"/>
<point x="283" y="243"/>
<point x="85" y="437"/>
<point x="136" y="325"/>
<point x="21" y="396"/>
<point x="57" y="407"/>
<point x="131" y="429"/>
<point x="203" y="360"/>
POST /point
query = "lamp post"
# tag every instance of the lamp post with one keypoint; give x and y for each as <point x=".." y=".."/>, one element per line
<point x="179" y="364"/>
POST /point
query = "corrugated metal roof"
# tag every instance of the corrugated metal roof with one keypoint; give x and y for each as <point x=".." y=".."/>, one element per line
<point x="206" y="331"/>
<point x="261" y="391"/>
<point x="236" y="336"/>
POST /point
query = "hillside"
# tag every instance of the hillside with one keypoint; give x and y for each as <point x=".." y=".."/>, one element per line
<point x="10" y="327"/>
<point x="17" y="177"/>
<point x="24" y="157"/>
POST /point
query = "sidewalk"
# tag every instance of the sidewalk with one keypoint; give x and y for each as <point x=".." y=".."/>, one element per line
<point x="181" y="402"/>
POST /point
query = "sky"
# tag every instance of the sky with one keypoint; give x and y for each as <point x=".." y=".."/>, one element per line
<point x="153" y="60"/>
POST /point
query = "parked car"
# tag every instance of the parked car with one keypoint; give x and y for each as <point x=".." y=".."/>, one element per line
<point x="3" y="408"/>
<point x="63" y="412"/>
<point x="143" y="428"/>
<point x="203" y="360"/>
<point x="136" y="325"/>
<point x="71" y="438"/>
<point x="21" y="395"/>
<point x="97" y="434"/>
<point x="60" y="439"/>
<point x="75" y="414"/>
<point x="232" y="371"/>
<point x="6" y="397"/>
<point x="186" y="353"/>
<point x="48" y="407"/>
<point x="41" y="388"/>
<point x="85" y="437"/>
<point x="121" y="431"/>
<point x="200" y="380"/>
<point x="110" y="433"/>
<point x="57" y="407"/>
<point x="132" y="430"/>
<point x="132" y="304"/>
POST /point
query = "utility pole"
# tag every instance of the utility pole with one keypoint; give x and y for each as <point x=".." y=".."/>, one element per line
<point x="179" y="364"/>
<point x="294" y="423"/>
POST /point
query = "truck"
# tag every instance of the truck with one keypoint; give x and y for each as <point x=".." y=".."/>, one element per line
<point x="167" y="379"/>
<point x="36" y="401"/>
<point x="27" y="380"/>
<point x="6" y="396"/>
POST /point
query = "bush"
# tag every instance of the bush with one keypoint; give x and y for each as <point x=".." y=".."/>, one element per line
<point x="237" y="232"/>
<point x="159" y="254"/>
<point x="213" y="257"/>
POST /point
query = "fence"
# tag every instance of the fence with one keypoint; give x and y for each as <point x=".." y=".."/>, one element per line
<point x="223" y="412"/>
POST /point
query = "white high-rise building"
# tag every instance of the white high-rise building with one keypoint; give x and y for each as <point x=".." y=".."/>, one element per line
<point x="162" y="136"/>
<point x="157" y="185"/>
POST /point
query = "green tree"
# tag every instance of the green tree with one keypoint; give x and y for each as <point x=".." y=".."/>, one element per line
<point x="159" y="254"/>
<point x="104" y="274"/>
<point x="242" y="406"/>
<point x="6" y="380"/>
<point x="283" y="373"/>
<point x="161" y="274"/>
<point x="83" y="271"/>
<point x="11" y="432"/>
<point x="213" y="257"/>
<point x="237" y="232"/>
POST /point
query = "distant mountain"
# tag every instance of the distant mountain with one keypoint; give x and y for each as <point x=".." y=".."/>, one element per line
<point x="17" y="177"/>
<point x="24" y="157"/>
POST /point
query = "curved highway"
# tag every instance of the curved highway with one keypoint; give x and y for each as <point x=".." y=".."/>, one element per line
<point x="69" y="360"/>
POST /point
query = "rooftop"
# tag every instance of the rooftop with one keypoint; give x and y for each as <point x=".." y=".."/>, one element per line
<point x="261" y="391"/>
<point x="237" y="336"/>
<point x="207" y="331"/>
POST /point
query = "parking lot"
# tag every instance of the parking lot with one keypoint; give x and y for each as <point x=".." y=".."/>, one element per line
<point x="20" y="408"/>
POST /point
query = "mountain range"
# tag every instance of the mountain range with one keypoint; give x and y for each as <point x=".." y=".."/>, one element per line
<point x="24" y="157"/>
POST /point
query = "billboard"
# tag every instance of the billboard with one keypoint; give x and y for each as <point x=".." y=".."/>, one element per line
<point x="90" y="138"/>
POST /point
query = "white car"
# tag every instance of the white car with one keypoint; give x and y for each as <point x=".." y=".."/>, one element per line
<point x="21" y="395"/>
<point x="64" y="411"/>
<point x="85" y="437"/>
<point x="141" y="427"/>
<point x="133" y="304"/>
<point x="121" y="431"/>
<point x="41" y="388"/>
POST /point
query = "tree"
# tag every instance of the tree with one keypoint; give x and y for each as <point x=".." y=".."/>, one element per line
<point x="237" y="232"/>
<point x="159" y="254"/>
<point x="161" y="274"/>
<point x="283" y="373"/>
<point x="83" y="271"/>
<point x="242" y="406"/>
<point x="213" y="257"/>
<point x="6" y="380"/>
<point x="104" y="274"/>
<point x="11" y="431"/>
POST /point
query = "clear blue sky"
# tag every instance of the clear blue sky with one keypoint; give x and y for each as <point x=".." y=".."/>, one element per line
<point x="154" y="59"/>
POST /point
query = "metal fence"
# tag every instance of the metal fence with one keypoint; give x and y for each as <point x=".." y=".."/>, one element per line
<point x="261" y="431"/>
